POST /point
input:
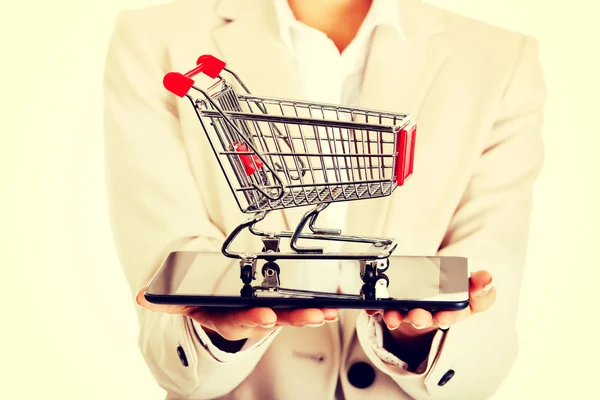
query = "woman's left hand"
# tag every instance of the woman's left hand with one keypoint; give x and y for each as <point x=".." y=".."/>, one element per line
<point x="418" y="322"/>
<point x="412" y="334"/>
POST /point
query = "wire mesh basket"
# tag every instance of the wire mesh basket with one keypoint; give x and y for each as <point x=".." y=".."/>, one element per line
<point x="278" y="153"/>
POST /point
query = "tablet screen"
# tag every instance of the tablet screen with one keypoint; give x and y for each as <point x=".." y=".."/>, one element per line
<point x="410" y="277"/>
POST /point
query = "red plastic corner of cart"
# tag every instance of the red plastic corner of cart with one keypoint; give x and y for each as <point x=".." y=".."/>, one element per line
<point x="211" y="66"/>
<point x="406" y="153"/>
<point x="249" y="161"/>
<point x="177" y="83"/>
<point x="413" y="141"/>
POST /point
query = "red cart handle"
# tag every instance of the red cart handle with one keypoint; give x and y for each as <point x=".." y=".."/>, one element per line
<point x="405" y="148"/>
<point x="179" y="84"/>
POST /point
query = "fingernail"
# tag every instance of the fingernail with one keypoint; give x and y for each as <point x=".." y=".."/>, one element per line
<point x="336" y="319"/>
<point x="444" y="327"/>
<point x="315" y="325"/>
<point x="268" y="326"/>
<point x="392" y="328"/>
<point x="487" y="288"/>
<point x="420" y="326"/>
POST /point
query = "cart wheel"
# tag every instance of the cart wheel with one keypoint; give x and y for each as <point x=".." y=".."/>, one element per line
<point x="383" y="277"/>
<point x="264" y="250"/>
<point x="384" y="267"/>
<point x="367" y="292"/>
<point x="247" y="291"/>
<point x="270" y="265"/>
<point x="246" y="274"/>
<point x="369" y="274"/>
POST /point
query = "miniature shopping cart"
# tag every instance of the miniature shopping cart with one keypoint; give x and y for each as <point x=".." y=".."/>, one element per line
<point x="278" y="154"/>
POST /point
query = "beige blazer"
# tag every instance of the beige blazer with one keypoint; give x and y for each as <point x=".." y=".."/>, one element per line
<point x="477" y="94"/>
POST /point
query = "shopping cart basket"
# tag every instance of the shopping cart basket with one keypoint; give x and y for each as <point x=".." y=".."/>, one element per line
<point x="278" y="154"/>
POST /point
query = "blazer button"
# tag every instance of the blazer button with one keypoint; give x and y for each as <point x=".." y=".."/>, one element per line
<point x="182" y="356"/>
<point x="361" y="375"/>
<point x="447" y="376"/>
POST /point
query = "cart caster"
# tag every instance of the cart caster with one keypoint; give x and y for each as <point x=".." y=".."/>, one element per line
<point x="247" y="291"/>
<point x="270" y="272"/>
<point x="367" y="292"/>
<point x="381" y="287"/>
<point x="270" y="269"/>
<point x="246" y="274"/>
<point x="383" y="266"/>
<point x="265" y="250"/>
<point x="382" y="277"/>
<point x="270" y="245"/>
<point x="368" y="274"/>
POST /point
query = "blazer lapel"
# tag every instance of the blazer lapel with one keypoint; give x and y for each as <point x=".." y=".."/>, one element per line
<point x="252" y="48"/>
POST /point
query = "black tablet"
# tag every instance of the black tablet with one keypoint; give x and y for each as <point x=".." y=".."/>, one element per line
<point x="213" y="280"/>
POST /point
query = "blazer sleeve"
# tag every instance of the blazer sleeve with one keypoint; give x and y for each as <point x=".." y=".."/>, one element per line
<point x="490" y="227"/>
<point x="156" y="207"/>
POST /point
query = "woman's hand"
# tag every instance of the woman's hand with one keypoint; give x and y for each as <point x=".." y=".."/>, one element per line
<point x="412" y="332"/>
<point x="481" y="296"/>
<point x="238" y="324"/>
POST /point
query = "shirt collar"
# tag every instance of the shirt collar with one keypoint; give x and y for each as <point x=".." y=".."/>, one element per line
<point x="382" y="12"/>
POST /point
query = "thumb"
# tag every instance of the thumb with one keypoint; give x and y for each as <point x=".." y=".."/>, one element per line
<point x="480" y="283"/>
<point x="481" y="291"/>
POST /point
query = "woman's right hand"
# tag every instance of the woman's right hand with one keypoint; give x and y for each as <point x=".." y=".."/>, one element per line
<point x="238" y="324"/>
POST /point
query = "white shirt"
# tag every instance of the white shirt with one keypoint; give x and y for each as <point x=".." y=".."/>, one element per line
<point x="330" y="77"/>
<point x="326" y="75"/>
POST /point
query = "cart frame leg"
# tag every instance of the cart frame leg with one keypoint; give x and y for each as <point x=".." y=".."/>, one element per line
<point x="383" y="246"/>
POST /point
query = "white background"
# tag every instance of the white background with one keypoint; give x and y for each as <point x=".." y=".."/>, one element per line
<point x="68" y="327"/>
